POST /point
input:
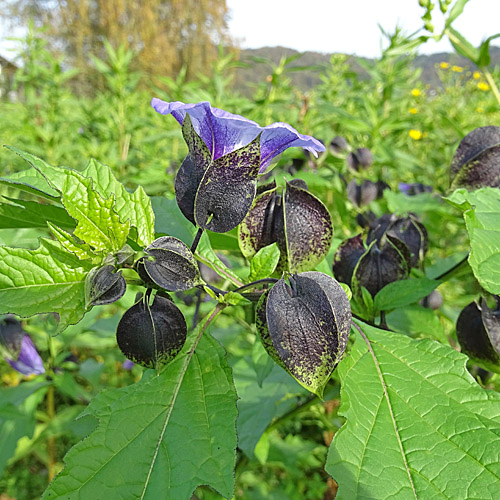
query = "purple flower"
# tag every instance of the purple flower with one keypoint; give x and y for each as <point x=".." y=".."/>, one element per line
<point x="224" y="132"/>
<point x="20" y="351"/>
<point x="128" y="365"/>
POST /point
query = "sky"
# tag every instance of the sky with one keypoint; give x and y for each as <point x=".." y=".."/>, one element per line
<point x="349" y="26"/>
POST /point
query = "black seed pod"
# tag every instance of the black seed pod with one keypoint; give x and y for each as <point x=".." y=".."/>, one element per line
<point x="409" y="230"/>
<point x="433" y="301"/>
<point x="478" y="332"/>
<point x="381" y="264"/>
<point x="359" y="159"/>
<point x="362" y="194"/>
<point x="476" y="162"/>
<point x="304" y="326"/>
<point x="170" y="265"/>
<point x="103" y="286"/>
<point x="339" y="145"/>
<point x="346" y="258"/>
<point x="152" y="335"/>
<point x="297" y="221"/>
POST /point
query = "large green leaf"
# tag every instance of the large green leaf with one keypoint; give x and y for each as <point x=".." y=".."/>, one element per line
<point x="418" y="425"/>
<point x="482" y="215"/>
<point x="47" y="279"/>
<point x="129" y="208"/>
<point x="161" y="438"/>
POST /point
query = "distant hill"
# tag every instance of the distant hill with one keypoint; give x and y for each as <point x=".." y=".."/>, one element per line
<point x="257" y="71"/>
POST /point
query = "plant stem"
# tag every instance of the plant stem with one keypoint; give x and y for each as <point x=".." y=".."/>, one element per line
<point x="194" y="246"/>
<point x="453" y="268"/>
<point x="51" y="413"/>
<point x="492" y="83"/>
<point x="253" y="283"/>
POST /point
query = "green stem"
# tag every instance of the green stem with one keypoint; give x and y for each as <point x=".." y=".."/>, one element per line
<point x="491" y="83"/>
<point x="51" y="413"/>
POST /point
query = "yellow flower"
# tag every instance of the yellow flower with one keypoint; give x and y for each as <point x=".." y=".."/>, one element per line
<point x="457" y="69"/>
<point x="11" y="379"/>
<point x="483" y="86"/>
<point x="416" y="135"/>
<point x="413" y="111"/>
<point x="476" y="75"/>
<point x="415" y="92"/>
<point x="479" y="110"/>
<point x="444" y="65"/>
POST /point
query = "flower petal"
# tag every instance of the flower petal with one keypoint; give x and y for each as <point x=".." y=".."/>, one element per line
<point x="28" y="361"/>
<point x="224" y="132"/>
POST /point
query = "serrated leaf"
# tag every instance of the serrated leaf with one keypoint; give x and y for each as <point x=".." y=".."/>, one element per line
<point x="402" y="293"/>
<point x="30" y="181"/>
<point x="134" y="207"/>
<point x="98" y="223"/>
<point x="482" y="213"/>
<point x="81" y="250"/>
<point x="47" y="279"/>
<point x="418" y="425"/>
<point x="161" y="438"/>
<point x="264" y="262"/>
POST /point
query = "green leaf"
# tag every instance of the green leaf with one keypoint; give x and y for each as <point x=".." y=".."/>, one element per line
<point x="21" y="213"/>
<point x="97" y="178"/>
<point x="47" y="279"/>
<point x="264" y="262"/>
<point x="162" y="437"/>
<point x="417" y="320"/>
<point x="81" y="250"/>
<point x="98" y="223"/>
<point x="17" y="416"/>
<point x="484" y="51"/>
<point x="481" y="213"/>
<point x="134" y="207"/>
<point x="462" y="45"/>
<point x="455" y="11"/>
<point x="260" y="403"/>
<point x="402" y="293"/>
<point x="418" y="425"/>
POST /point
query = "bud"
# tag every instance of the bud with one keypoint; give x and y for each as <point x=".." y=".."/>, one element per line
<point x="409" y="230"/>
<point x="476" y="162"/>
<point x="338" y="146"/>
<point x="18" y="349"/>
<point x="382" y="263"/>
<point x="297" y="221"/>
<point x="103" y="286"/>
<point x="169" y="264"/>
<point x="359" y="159"/>
<point x="152" y="335"/>
<point x="304" y="326"/>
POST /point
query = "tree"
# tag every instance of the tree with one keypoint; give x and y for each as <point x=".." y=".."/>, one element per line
<point x="165" y="34"/>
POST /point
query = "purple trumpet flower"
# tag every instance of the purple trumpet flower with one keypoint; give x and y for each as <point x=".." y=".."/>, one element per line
<point x="224" y="132"/>
<point x="20" y="352"/>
